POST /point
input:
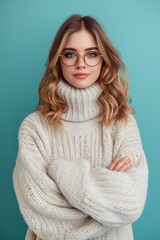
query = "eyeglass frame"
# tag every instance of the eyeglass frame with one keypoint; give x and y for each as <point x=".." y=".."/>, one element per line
<point x="78" y="55"/>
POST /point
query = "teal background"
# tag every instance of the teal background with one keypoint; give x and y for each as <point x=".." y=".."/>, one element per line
<point x="27" y="29"/>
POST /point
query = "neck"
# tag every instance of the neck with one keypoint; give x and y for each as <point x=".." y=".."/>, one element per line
<point x="82" y="104"/>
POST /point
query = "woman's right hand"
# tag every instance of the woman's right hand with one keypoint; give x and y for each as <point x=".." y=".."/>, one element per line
<point x="121" y="164"/>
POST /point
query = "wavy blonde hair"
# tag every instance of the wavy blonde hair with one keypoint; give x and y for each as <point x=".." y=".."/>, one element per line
<point x="115" y="97"/>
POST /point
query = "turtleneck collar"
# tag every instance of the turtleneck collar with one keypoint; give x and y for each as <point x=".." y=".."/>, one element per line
<point x="83" y="103"/>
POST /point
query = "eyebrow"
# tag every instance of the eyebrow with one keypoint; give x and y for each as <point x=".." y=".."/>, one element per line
<point x="87" y="49"/>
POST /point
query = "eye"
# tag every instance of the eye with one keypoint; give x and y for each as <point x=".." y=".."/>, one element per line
<point x="69" y="54"/>
<point x="92" y="54"/>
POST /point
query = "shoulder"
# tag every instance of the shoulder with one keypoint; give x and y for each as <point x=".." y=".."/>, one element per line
<point x="35" y="135"/>
<point x="128" y="124"/>
<point x="125" y="128"/>
<point x="34" y="122"/>
<point x="34" y="117"/>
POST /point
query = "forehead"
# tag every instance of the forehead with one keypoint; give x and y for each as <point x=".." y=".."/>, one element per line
<point x="81" y="40"/>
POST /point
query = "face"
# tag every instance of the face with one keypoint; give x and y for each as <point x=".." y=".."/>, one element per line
<point x="81" y="75"/>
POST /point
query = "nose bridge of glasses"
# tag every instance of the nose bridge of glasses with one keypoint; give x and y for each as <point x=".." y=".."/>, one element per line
<point x="80" y="59"/>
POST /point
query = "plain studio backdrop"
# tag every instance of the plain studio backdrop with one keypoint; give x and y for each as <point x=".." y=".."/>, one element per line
<point x="27" y="29"/>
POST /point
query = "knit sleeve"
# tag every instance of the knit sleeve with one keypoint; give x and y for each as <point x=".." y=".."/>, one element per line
<point x="112" y="198"/>
<point x="46" y="211"/>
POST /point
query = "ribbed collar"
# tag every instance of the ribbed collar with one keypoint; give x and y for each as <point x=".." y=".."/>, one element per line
<point x="83" y="103"/>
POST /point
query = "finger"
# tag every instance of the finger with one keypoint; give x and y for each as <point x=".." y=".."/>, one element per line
<point x="115" y="161"/>
<point x="125" y="167"/>
<point x="121" y="163"/>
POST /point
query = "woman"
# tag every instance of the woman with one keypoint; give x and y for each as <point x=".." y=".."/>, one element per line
<point x="81" y="172"/>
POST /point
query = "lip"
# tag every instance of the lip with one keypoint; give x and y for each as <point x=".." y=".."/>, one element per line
<point x="81" y="75"/>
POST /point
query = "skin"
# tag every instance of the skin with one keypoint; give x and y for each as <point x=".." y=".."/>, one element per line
<point x="80" y="41"/>
<point x="121" y="164"/>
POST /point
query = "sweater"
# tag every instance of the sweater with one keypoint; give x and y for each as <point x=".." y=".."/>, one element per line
<point x="61" y="178"/>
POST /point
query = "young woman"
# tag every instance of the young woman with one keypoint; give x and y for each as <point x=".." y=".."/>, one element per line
<point x="81" y="172"/>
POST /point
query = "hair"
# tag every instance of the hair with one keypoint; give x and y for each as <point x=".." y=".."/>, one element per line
<point x="114" y="99"/>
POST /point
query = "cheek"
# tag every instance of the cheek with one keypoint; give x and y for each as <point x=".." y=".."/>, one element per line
<point x="66" y="71"/>
<point x="97" y="71"/>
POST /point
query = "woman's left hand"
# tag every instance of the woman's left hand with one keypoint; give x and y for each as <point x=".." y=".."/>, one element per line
<point x="120" y="164"/>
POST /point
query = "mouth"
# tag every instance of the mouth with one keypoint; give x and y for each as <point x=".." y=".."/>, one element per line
<point x="81" y="75"/>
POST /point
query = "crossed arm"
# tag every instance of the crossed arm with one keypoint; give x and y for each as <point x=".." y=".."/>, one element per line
<point x="45" y="203"/>
<point x="113" y="196"/>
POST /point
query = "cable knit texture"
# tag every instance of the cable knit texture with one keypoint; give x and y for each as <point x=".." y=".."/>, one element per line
<point x="63" y="186"/>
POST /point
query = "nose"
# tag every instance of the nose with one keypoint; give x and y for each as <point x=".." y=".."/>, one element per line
<point x="80" y="63"/>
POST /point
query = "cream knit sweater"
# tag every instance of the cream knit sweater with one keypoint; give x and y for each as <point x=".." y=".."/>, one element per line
<point x="63" y="186"/>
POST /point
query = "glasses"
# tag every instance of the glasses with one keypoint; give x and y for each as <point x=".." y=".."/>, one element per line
<point x="91" y="58"/>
